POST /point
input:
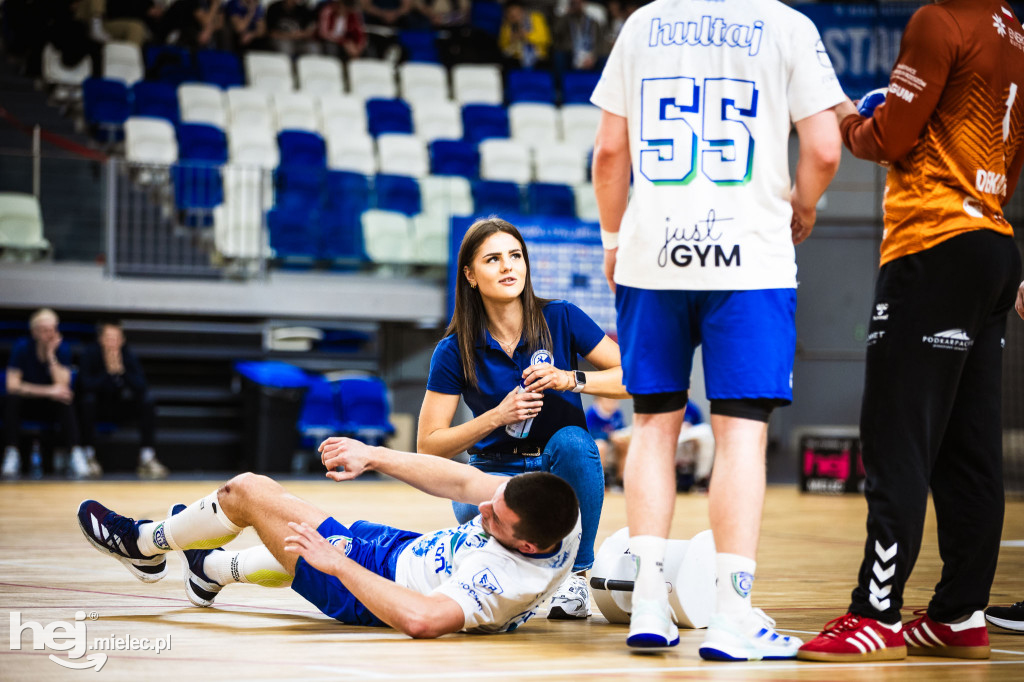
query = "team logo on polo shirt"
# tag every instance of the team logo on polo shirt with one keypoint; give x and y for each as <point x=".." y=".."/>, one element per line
<point x="541" y="357"/>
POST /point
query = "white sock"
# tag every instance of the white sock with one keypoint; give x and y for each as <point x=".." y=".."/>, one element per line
<point x="203" y="525"/>
<point x="649" y="553"/>
<point x="146" y="455"/>
<point x="735" y="579"/>
<point x="255" y="565"/>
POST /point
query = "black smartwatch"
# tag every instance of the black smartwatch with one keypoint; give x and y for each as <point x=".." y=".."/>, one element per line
<point x="581" y="381"/>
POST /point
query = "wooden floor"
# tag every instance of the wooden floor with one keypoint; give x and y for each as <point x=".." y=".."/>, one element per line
<point x="810" y="551"/>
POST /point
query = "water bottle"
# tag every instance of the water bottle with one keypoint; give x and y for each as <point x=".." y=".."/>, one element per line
<point x="522" y="429"/>
<point x="35" y="462"/>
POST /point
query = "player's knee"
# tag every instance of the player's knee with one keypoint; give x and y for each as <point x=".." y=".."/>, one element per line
<point x="242" y="485"/>
<point x="754" y="409"/>
<point x="660" y="403"/>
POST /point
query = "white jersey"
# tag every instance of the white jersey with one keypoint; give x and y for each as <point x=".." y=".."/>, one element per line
<point x="498" y="589"/>
<point x="710" y="89"/>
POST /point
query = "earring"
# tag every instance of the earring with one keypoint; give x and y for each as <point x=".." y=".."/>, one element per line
<point x="472" y="286"/>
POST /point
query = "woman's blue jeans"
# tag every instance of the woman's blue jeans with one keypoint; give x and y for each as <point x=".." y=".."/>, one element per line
<point x="572" y="455"/>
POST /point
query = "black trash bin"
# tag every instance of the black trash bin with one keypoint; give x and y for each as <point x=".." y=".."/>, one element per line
<point x="272" y="396"/>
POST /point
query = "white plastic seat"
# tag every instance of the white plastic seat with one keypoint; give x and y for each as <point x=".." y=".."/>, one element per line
<point x="21" y="223"/>
<point x="372" y="78"/>
<point x="294" y="111"/>
<point x="387" y="236"/>
<point x="55" y="73"/>
<point x="253" y="146"/>
<point x="150" y="140"/>
<point x="586" y="202"/>
<point x="238" y="222"/>
<point x="533" y="123"/>
<point x="201" y="103"/>
<point x="269" y="71"/>
<point x="436" y="120"/>
<point x="505" y="160"/>
<point x="349" y="109"/>
<point x="446" y="195"/>
<point x="477" y="84"/>
<point x="420" y="80"/>
<point x="249" y="108"/>
<point x="579" y="124"/>
<point x="320" y="75"/>
<point x="402" y="155"/>
<point x="431" y="234"/>
<point x="123" y="62"/>
<point x="560" y="163"/>
<point x="350" y="151"/>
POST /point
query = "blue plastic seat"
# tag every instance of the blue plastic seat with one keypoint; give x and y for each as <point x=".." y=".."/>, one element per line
<point x="320" y="412"/>
<point x="301" y="148"/>
<point x="157" y="99"/>
<point x="482" y="121"/>
<point x="299" y="186"/>
<point x="419" y="46"/>
<point x="495" y="196"/>
<point x="220" y="68"/>
<point x="106" y="107"/>
<point x="454" y="157"/>
<point x="527" y="85"/>
<point x="578" y="86"/>
<point x="398" y="193"/>
<point x="486" y="16"/>
<point x="202" y="142"/>
<point x="365" y="409"/>
<point x="170" y="64"/>
<point x="294" y="230"/>
<point x="388" y="116"/>
<point x="551" y="199"/>
<point x="347" y="196"/>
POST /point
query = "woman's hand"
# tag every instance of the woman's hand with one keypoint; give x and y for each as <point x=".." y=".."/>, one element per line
<point x="544" y="376"/>
<point x="516" y="407"/>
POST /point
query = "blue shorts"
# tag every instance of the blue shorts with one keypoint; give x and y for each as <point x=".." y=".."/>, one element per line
<point x="372" y="546"/>
<point x="749" y="340"/>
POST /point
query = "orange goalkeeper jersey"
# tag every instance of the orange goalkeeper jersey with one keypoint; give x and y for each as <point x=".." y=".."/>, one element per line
<point x="952" y="125"/>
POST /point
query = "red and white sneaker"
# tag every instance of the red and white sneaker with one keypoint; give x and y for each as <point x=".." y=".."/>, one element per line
<point x="927" y="637"/>
<point x="855" y="638"/>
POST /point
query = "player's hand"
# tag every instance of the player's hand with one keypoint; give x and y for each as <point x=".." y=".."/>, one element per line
<point x="803" y="218"/>
<point x="542" y="376"/>
<point x="51" y="347"/>
<point x="61" y="394"/>
<point x="350" y="455"/>
<point x="311" y="546"/>
<point x="610" y="256"/>
<point x="515" y="407"/>
<point x="1020" y="301"/>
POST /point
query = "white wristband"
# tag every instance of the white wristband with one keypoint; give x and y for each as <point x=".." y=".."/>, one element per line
<point x="609" y="240"/>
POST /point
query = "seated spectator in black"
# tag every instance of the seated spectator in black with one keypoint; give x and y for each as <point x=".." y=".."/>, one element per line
<point x="292" y="27"/>
<point x="112" y="387"/>
<point x="71" y="36"/>
<point x="395" y="14"/>
<point x="193" y="23"/>
<point x="341" y="29"/>
<point x="247" y="24"/>
<point x="524" y="37"/>
<point x="578" y="40"/>
<point x="444" y="13"/>
<point x="39" y="389"/>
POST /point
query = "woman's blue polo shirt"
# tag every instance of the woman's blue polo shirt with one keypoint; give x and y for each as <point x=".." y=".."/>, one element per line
<point x="573" y="333"/>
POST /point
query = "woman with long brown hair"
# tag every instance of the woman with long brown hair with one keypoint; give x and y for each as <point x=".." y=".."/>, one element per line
<point x="513" y="357"/>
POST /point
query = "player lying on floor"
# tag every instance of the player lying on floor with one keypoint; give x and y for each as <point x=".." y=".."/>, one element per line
<point x="488" y="575"/>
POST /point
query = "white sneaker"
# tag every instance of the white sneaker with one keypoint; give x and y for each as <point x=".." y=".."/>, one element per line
<point x="12" y="463"/>
<point x="79" y="467"/>
<point x="572" y="600"/>
<point x="650" y="625"/>
<point x="751" y="637"/>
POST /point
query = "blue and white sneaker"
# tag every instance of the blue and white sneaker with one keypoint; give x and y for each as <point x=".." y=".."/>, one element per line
<point x="200" y="590"/>
<point x="111" y="533"/>
<point x="749" y="638"/>
<point x="651" y="626"/>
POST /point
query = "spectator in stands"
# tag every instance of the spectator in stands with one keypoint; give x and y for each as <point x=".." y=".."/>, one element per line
<point x="578" y="40"/>
<point x="125" y="20"/>
<point x="112" y="386"/>
<point x="39" y="388"/>
<point x="292" y="27"/>
<point x="193" y="23"/>
<point x="69" y="32"/>
<point x="524" y="37"/>
<point x="393" y="14"/>
<point x="247" y="24"/>
<point x="444" y="13"/>
<point x="341" y="29"/>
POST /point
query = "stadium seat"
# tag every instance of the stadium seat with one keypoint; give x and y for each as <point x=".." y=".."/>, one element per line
<point x="402" y="155"/>
<point x="220" y="68"/>
<point x="486" y="16"/>
<point x="294" y="231"/>
<point x="551" y="199"/>
<point x="436" y="119"/>
<point x="245" y="184"/>
<point x="586" y="202"/>
<point x="505" y="160"/>
<point x="123" y="62"/>
<point x="21" y="225"/>
<point x="169" y="64"/>
<point x="349" y="110"/>
<point x="269" y="71"/>
<point x="397" y="193"/>
<point x="387" y="236"/>
<point x="419" y="46"/>
<point x="578" y="86"/>
<point x="198" y="188"/>
<point x="496" y="197"/>
<point x="533" y="124"/>
<point x="528" y="85"/>
<point x="320" y="75"/>
<point x="294" y="111"/>
<point x="579" y="124"/>
<point x="150" y="140"/>
<point x="202" y="142"/>
<point x="560" y="163"/>
<point x="422" y="81"/>
<point x="431" y="234"/>
<point x="454" y="157"/>
<point x="388" y="116"/>
<point x="299" y="185"/>
<point x="253" y="146"/>
<point x="477" y="83"/>
<point x="446" y="195"/>
<point x="341" y="230"/>
<point x="66" y="80"/>
<point x="250" y="108"/>
<point x="350" y="151"/>
<point x="302" y="148"/>
<point x="201" y="103"/>
<point x="155" y="99"/>
<point x="320" y="416"/>
<point x="365" y="408"/>
<point x="106" y="107"/>
<point x="483" y="121"/>
<point x="372" y="79"/>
